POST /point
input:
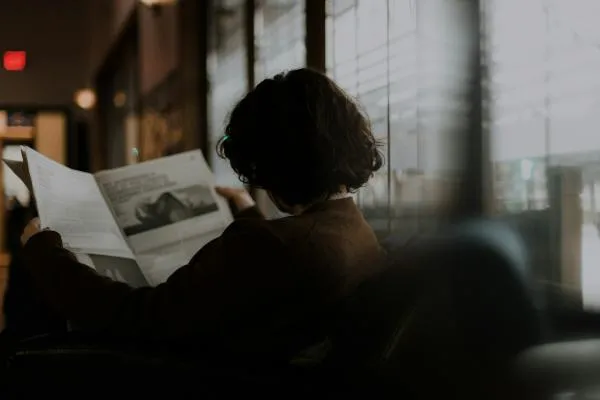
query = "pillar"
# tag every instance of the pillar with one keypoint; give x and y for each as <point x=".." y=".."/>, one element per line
<point x="193" y="28"/>
<point x="564" y="189"/>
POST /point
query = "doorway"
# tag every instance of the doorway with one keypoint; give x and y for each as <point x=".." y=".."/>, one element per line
<point x="44" y="130"/>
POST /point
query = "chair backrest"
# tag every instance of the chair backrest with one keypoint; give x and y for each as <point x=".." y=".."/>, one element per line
<point x="106" y="366"/>
<point x="449" y="307"/>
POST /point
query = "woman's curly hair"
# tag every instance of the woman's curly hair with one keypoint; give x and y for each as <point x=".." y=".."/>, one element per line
<point x="301" y="137"/>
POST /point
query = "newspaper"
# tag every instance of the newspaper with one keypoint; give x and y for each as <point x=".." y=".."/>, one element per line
<point x="164" y="201"/>
<point x="135" y="224"/>
<point x="18" y="168"/>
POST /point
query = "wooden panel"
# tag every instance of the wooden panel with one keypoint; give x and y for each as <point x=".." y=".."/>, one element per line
<point x="3" y="121"/>
<point x="4" y="262"/>
<point x="132" y="138"/>
<point x="17" y="133"/>
<point x="50" y="138"/>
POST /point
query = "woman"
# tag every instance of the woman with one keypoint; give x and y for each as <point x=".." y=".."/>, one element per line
<point x="263" y="287"/>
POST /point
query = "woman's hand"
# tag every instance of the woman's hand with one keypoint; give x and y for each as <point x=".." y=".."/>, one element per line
<point x="32" y="228"/>
<point x="240" y="198"/>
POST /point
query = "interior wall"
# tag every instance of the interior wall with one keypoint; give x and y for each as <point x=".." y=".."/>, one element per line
<point x="54" y="35"/>
<point x="107" y="20"/>
<point x="159" y="45"/>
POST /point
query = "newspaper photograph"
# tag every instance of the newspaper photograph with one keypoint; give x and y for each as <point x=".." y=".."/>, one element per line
<point x="158" y="264"/>
<point x="164" y="201"/>
<point x="170" y="207"/>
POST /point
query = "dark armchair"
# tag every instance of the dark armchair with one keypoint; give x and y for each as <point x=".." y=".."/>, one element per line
<point x="126" y="368"/>
<point x="449" y="316"/>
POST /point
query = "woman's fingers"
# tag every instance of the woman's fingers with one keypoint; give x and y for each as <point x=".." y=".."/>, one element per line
<point x="229" y="192"/>
<point x="239" y="197"/>
<point x="31" y="229"/>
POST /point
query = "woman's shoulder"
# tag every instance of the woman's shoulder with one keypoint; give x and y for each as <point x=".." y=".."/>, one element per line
<point x="262" y="233"/>
<point x="259" y="231"/>
<point x="331" y="223"/>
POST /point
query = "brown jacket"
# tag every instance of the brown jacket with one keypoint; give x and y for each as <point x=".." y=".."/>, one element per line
<point x="262" y="286"/>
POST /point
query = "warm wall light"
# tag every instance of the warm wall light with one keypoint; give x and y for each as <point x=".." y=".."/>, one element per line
<point x="156" y="3"/>
<point x="120" y="99"/>
<point x="85" y="98"/>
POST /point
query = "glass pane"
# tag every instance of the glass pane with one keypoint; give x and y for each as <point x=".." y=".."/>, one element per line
<point x="280" y="31"/>
<point x="228" y="78"/>
<point x="359" y="63"/>
<point x="545" y="107"/>
<point x="404" y="61"/>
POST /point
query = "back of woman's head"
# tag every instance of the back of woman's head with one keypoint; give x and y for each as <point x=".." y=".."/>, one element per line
<point x="301" y="137"/>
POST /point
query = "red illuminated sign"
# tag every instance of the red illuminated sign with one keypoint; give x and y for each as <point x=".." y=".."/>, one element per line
<point x="15" y="60"/>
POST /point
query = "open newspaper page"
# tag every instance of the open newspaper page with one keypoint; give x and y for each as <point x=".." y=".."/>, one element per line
<point x="167" y="209"/>
<point x="117" y="268"/>
<point x="71" y="203"/>
<point x="19" y="169"/>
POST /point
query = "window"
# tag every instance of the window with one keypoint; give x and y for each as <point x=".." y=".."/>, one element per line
<point x="543" y="57"/>
<point x="403" y="60"/>
<point x="227" y="76"/>
<point x="280" y="28"/>
<point x="279" y="35"/>
<point x="358" y="61"/>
